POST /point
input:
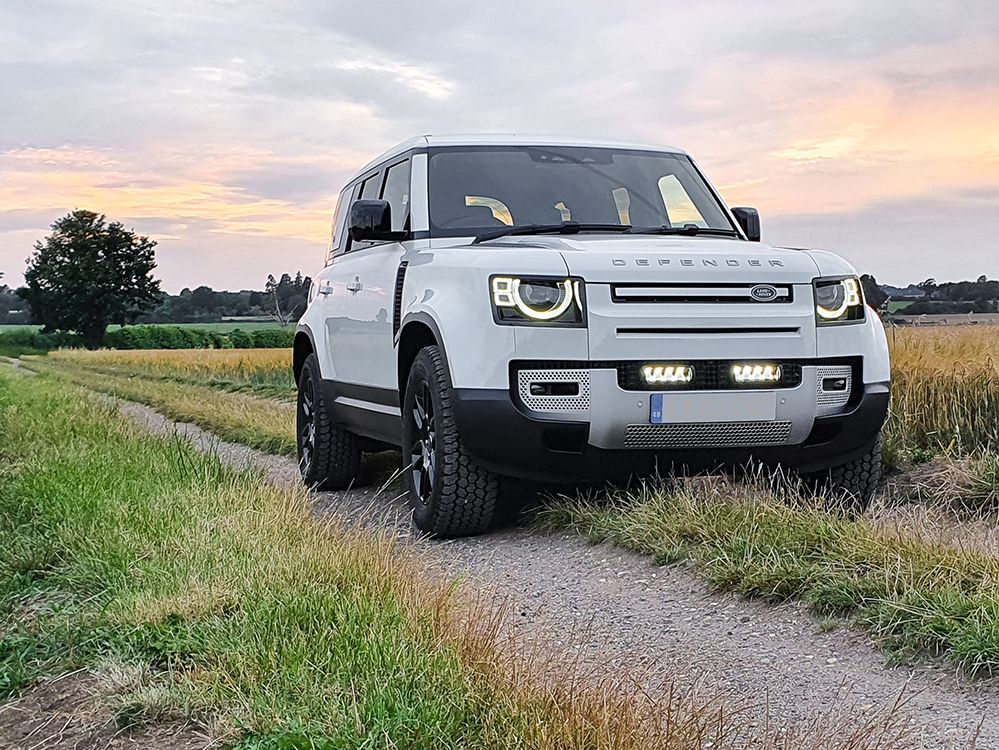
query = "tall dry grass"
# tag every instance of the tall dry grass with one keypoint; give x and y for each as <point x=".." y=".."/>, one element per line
<point x="945" y="391"/>
<point x="262" y="371"/>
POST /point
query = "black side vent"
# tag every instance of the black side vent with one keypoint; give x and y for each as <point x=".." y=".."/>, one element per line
<point x="400" y="280"/>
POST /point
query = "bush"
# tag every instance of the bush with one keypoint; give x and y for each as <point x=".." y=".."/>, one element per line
<point x="179" y="337"/>
<point x="16" y="343"/>
<point x="241" y="339"/>
<point x="273" y="338"/>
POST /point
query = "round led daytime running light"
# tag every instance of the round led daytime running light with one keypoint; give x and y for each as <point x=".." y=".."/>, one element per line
<point x="851" y="298"/>
<point x="565" y="301"/>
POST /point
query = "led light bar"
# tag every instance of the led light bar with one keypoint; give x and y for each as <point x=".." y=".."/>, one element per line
<point x="756" y="373"/>
<point x="654" y="374"/>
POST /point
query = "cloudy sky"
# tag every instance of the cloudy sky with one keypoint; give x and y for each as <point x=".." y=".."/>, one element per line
<point x="225" y="129"/>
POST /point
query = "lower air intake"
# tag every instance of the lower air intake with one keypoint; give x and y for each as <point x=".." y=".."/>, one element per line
<point x="579" y="401"/>
<point x="715" y="434"/>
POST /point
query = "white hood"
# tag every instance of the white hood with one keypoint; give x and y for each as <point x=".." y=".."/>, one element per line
<point x="599" y="258"/>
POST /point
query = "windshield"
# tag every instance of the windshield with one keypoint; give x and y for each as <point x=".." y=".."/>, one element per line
<point x="479" y="189"/>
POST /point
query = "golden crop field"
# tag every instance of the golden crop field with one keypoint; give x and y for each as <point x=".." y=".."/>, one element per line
<point x="945" y="390"/>
<point x="262" y="371"/>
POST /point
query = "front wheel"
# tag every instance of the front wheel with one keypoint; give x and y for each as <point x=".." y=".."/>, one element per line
<point x="328" y="455"/>
<point x="851" y="486"/>
<point x="450" y="494"/>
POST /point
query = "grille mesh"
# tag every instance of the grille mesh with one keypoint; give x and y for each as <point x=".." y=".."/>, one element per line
<point x="832" y="401"/>
<point x="557" y="404"/>
<point x="716" y="434"/>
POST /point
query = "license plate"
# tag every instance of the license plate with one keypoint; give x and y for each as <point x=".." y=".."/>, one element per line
<point x="667" y="408"/>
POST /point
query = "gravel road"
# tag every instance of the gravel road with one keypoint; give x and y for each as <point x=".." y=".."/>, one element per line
<point x="617" y="608"/>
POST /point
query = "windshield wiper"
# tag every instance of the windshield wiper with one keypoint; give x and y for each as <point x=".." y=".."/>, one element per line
<point x="566" y="227"/>
<point x="686" y="229"/>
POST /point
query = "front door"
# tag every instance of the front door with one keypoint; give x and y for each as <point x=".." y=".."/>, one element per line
<point x="361" y="334"/>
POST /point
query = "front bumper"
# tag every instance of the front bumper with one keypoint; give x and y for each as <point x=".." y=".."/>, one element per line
<point x="507" y="440"/>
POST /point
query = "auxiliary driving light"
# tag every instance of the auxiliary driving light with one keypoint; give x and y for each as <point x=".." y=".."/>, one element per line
<point x="756" y="373"/>
<point x="655" y="374"/>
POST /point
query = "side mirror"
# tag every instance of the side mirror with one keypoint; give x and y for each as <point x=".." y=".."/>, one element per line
<point x="370" y="221"/>
<point x="749" y="220"/>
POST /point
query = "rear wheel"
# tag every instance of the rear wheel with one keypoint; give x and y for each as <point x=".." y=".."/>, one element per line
<point x="450" y="494"/>
<point x="851" y="486"/>
<point x="328" y="455"/>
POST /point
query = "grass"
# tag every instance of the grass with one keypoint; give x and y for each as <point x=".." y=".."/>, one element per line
<point x="945" y="392"/>
<point x="204" y="593"/>
<point x="758" y="538"/>
<point x="919" y="593"/>
<point x="261" y="423"/>
<point x="265" y="372"/>
<point x="223" y="327"/>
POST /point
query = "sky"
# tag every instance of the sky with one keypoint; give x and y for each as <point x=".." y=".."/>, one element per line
<point x="225" y="129"/>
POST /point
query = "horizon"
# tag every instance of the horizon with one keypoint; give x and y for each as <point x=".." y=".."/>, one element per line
<point x="868" y="131"/>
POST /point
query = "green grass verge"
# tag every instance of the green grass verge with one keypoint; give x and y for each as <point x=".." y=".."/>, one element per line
<point x="914" y="597"/>
<point x="203" y="592"/>
<point x="117" y="547"/>
<point x="260" y="423"/>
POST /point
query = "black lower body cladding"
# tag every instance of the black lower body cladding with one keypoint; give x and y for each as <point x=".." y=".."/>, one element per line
<point x="504" y="439"/>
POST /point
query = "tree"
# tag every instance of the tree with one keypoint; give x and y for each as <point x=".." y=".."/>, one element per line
<point x="89" y="273"/>
<point x="274" y="288"/>
<point x="872" y="292"/>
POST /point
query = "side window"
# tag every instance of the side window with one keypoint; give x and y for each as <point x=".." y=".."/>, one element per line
<point x="367" y="190"/>
<point x="679" y="207"/>
<point x="396" y="192"/>
<point x="340" y="241"/>
<point x="338" y="229"/>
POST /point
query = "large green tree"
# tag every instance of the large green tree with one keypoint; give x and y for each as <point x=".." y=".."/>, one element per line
<point x="89" y="273"/>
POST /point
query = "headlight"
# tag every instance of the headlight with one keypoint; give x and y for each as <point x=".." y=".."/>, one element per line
<point x="838" y="300"/>
<point x="532" y="300"/>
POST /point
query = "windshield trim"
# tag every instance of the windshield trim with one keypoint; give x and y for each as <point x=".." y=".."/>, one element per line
<point x="462" y="232"/>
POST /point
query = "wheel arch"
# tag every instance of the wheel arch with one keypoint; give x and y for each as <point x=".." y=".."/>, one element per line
<point x="304" y="346"/>
<point x="417" y="331"/>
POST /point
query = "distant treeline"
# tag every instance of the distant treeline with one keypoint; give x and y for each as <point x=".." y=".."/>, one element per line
<point x="15" y="343"/>
<point x="288" y="294"/>
<point x="949" y="298"/>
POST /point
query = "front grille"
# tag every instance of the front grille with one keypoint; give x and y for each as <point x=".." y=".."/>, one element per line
<point x="560" y="404"/>
<point x="715" y="434"/>
<point x="702" y="293"/>
<point x="709" y="375"/>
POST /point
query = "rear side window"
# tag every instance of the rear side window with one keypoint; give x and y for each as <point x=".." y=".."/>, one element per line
<point x="396" y="192"/>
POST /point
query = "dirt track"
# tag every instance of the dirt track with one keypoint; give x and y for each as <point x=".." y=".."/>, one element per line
<point x="616" y="608"/>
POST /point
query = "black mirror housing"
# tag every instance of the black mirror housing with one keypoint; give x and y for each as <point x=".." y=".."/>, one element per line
<point x="749" y="220"/>
<point x="371" y="221"/>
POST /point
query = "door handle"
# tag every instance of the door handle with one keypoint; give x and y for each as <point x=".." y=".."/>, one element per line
<point x="355" y="286"/>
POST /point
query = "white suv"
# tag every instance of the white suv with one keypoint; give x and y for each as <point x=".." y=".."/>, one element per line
<point x="570" y="311"/>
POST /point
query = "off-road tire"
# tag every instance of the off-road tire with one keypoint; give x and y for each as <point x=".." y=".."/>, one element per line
<point x="851" y="486"/>
<point x="335" y="454"/>
<point x="462" y="499"/>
